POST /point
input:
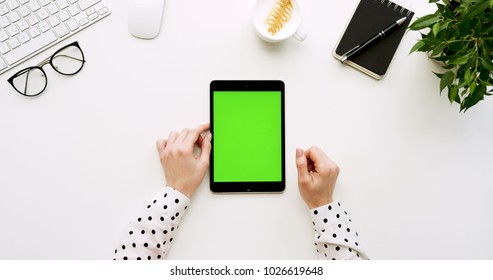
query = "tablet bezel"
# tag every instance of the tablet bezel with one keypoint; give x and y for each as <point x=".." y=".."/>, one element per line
<point x="251" y="186"/>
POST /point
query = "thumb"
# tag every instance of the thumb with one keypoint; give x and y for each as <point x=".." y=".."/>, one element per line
<point x="302" y="166"/>
<point x="205" y="148"/>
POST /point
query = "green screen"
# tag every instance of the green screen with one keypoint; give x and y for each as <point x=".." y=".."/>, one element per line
<point x="247" y="136"/>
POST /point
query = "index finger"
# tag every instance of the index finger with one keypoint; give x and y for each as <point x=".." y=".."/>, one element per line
<point x="317" y="156"/>
<point x="194" y="134"/>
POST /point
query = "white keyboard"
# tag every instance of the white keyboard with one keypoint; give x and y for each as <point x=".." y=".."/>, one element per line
<point x="28" y="27"/>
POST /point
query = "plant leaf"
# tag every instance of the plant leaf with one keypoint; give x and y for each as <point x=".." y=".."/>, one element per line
<point x="417" y="46"/>
<point x="472" y="87"/>
<point x="468" y="76"/>
<point x="452" y="94"/>
<point x="444" y="25"/>
<point x="442" y="58"/>
<point x="477" y="8"/>
<point x="438" y="75"/>
<point x="423" y="22"/>
<point x="438" y="50"/>
<point x="446" y="80"/>
<point x="487" y="64"/>
<point x="435" y="28"/>
<point x="461" y="59"/>
<point x="473" y="98"/>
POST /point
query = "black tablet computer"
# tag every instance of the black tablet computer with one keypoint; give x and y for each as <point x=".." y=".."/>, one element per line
<point x="247" y="126"/>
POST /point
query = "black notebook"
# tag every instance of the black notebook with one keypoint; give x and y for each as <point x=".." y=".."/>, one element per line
<point x="369" y="18"/>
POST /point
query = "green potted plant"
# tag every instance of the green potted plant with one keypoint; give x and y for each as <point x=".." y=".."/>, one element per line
<point x="459" y="35"/>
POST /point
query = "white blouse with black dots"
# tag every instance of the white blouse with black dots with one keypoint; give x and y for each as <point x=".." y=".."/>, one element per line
<point x="335" y="236"/>
<point x="151" y="234"/>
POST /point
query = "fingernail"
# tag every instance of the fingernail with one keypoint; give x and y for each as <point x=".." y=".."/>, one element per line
<point x="299" y="152"/>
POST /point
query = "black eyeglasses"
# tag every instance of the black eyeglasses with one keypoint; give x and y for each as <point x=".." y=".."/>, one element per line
<point x="32" y="81"/>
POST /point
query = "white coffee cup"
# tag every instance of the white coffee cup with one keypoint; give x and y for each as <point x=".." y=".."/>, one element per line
<point x="290" y="29"/>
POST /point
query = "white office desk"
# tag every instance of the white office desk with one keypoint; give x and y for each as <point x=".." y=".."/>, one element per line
<point x="77" y="163"/>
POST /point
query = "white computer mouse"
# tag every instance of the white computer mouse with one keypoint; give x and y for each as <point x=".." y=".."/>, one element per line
<point x="145" y="17"/>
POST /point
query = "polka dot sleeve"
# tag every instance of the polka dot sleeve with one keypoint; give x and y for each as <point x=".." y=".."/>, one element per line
<point x="336" y="237"/>
<point x="150" y="235"/>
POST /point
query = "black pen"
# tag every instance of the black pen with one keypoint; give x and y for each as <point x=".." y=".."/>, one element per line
<point x="372" y="40"/>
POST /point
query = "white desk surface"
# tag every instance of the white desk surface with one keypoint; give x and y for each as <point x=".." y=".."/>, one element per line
<point x="77" y="163"/>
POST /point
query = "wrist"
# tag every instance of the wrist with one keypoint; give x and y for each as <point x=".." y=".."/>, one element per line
<point x="181" y="189"/>
<point x="320" y="202"/>
<point x="186" y="193"/>
<point x="178" y="193"/>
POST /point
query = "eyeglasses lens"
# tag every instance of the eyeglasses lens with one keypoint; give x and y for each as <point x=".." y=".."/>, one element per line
<point x="32" y="82"/>
<point x="68" y="61"/>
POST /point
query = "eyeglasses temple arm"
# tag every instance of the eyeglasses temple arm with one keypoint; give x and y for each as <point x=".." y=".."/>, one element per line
<point x="74" y="58"/>
<point x="27" y="81"/>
